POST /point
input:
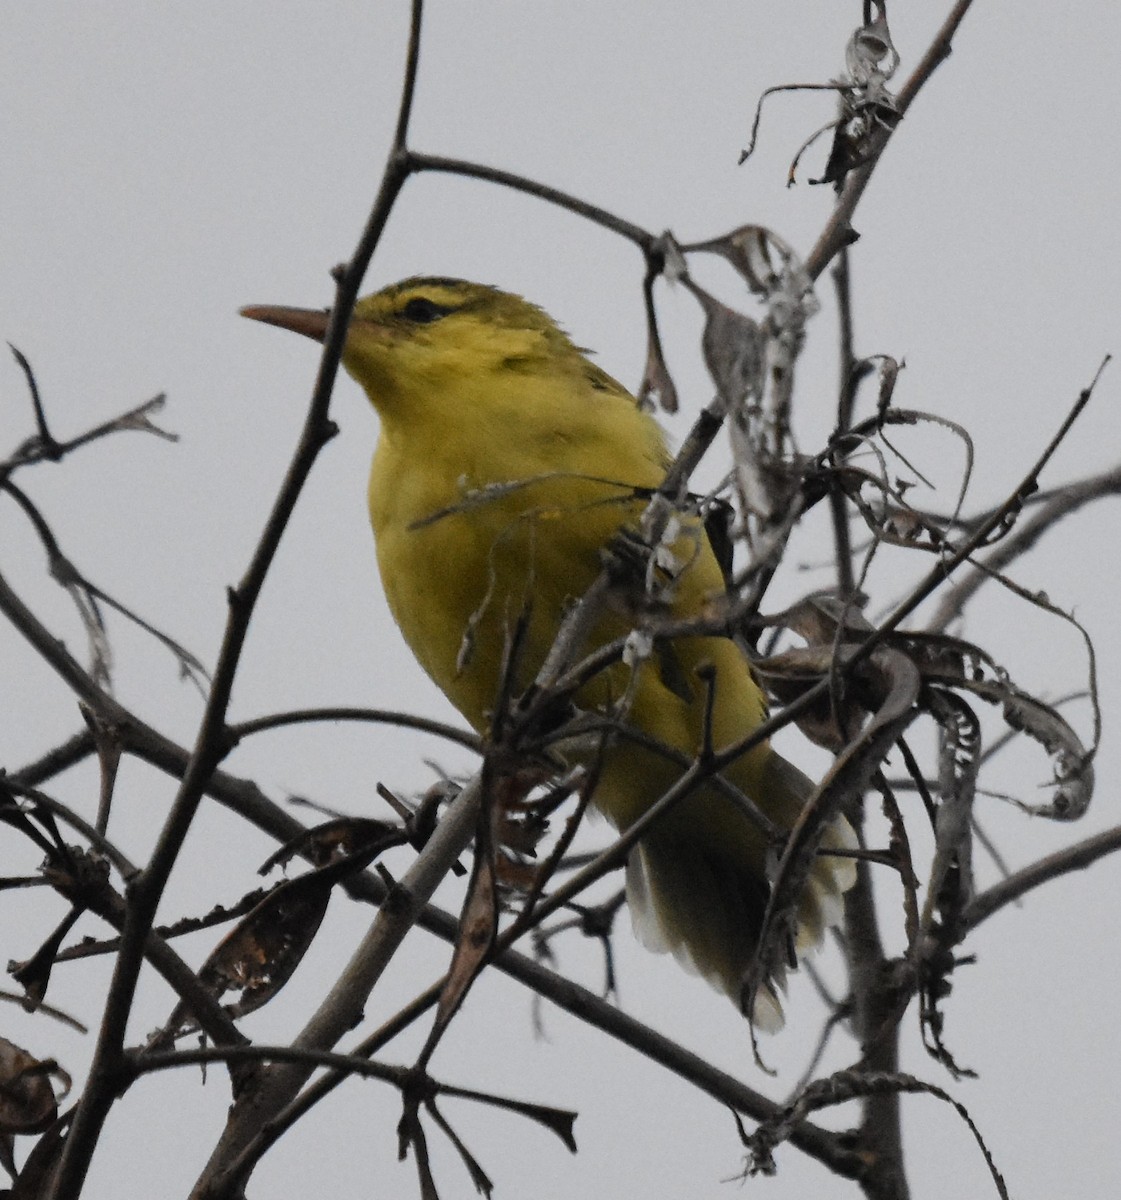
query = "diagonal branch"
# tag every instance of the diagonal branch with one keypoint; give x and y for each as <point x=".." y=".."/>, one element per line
<point x="1073" y="858"/>
<point x="838" y="230"/>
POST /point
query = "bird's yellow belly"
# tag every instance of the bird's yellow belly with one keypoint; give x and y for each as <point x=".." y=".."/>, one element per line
<point x="462" y="570"/>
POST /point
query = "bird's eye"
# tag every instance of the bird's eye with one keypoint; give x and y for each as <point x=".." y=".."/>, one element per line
<point x="422" y="311"/>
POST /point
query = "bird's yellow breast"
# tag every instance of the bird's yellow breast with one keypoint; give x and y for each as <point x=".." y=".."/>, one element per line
<point x="500" y="519"/>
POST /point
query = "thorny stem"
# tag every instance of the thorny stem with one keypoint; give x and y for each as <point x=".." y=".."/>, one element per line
<point x="148" y="744"/>
<point x="167" y="760"/>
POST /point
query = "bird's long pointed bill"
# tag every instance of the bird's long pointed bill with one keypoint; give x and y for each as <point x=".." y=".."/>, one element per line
<point x="311" y="322"/>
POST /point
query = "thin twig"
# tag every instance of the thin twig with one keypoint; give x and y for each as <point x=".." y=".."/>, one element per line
<point x="1074" y="858"/>
<point x="838" y="231"/>
<point x="64" y="756"/>
<point x="382" y="716"/>
<point x="591" y="212"/>
<point x="1061" y="503"/>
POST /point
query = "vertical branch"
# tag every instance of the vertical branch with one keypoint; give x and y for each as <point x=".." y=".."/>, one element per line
<point x="875" y="1012"/>
<point x="211" y="743"/>
<point x="846" y="395"/>
<point x="875" y="1018"/>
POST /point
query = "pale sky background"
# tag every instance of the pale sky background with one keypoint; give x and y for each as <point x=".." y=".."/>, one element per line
<point x="165" y="164"/>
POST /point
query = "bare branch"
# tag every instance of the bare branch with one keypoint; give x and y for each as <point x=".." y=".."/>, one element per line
<point x="1074" y="858"/>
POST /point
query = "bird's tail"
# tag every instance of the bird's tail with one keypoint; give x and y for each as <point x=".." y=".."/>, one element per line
<point x="697" y="887"/>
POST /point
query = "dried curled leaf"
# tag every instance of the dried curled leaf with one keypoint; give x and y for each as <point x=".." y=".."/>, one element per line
<point x="752" y="362"/>
<point x="834" y="718"/>
<point x="871" y="56"/>
<point x="817" y="617"/>
<point x="775" y="273"/>
<point x="848" y="778"/>
<point x="768" y="264"/>
<point x="867" y="104"/>
<point x="330" y="842"/>
<point x="27" y="1100"/>
<point x="840" y="1088"/>
<point x="657" y="387"/>
<point x="957" y="663"/>
<point x="733" y="351"/>
<point x="1073" y="772"/>
<point x="901" y="857"/>
<point x="870" y="703"/>
<point x="950" y="886"/>
<point x="940" y="661"/>
<point x="857" y="693"/>
<point x="478" y="924"/>
<point x="478" y="921"/>
<point x="258" y="956"/>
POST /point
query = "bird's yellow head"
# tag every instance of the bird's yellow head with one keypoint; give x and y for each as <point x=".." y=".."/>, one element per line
<point x="416" y="341"/>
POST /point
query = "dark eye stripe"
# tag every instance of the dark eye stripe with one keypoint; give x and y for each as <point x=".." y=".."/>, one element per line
<point x="422" y="311"/>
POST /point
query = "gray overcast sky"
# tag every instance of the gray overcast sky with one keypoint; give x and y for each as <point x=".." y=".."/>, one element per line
<point x="165" y="164"/>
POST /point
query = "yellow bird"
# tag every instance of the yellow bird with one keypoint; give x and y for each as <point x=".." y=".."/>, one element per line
<point x="507" y="462"/>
